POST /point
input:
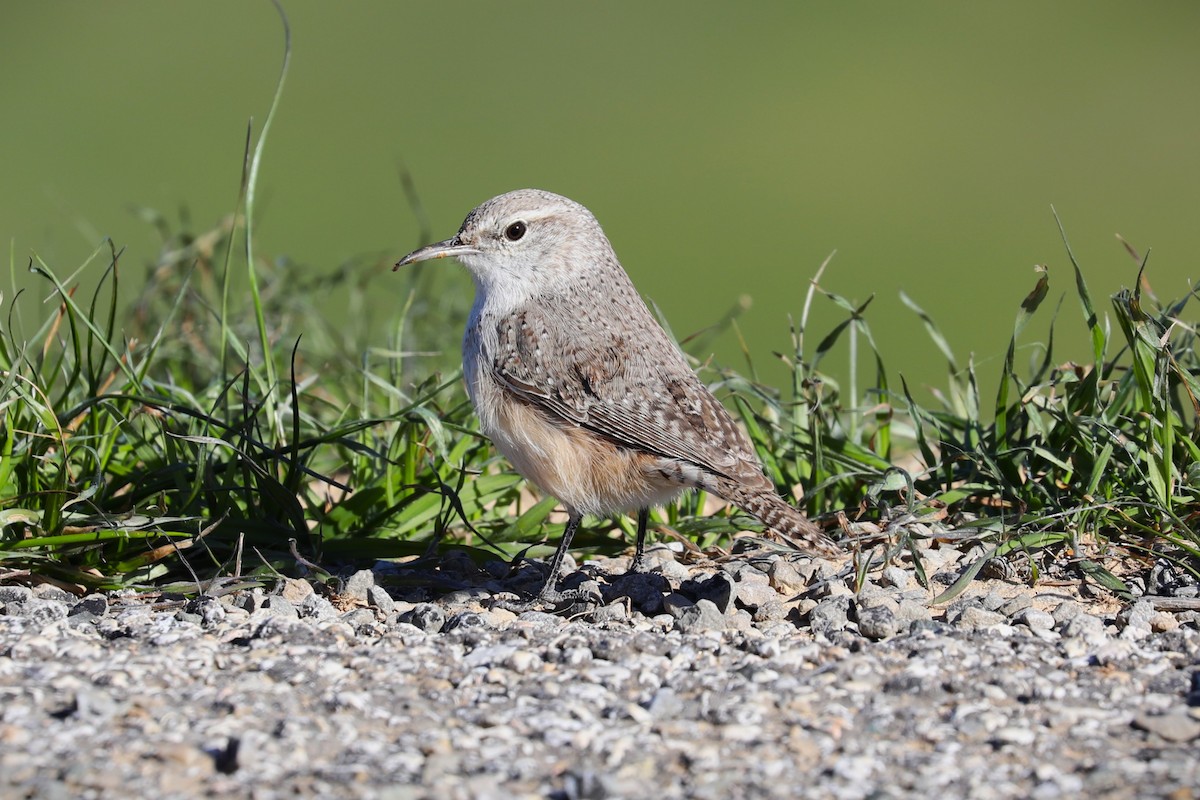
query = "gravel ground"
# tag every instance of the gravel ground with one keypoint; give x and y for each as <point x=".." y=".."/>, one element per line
<point x="757" y="677"/>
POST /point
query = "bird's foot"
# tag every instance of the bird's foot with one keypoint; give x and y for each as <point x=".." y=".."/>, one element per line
<point x="555" y="601"/>
<point x="640" y="565"/>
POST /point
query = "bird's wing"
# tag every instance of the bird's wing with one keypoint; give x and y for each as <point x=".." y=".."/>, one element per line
<point x="639" y="393"/>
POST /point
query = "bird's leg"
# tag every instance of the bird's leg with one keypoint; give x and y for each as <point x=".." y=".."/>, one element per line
<point x="639" y="549"/>
<point x="548" y="594"/>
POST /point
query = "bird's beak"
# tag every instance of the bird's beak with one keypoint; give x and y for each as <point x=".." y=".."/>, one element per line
<point x="450" y="247"/>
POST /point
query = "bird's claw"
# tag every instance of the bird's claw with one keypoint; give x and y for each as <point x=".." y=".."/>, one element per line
<point x="554" y="601"/>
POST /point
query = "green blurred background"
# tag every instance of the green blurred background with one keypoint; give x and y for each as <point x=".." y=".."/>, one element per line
<point x="726" y="148"/>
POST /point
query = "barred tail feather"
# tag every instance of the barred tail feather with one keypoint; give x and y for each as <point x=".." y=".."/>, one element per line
<point x="776" y="514"/>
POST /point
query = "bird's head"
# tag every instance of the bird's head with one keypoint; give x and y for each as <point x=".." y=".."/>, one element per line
<point x="525" y="243"/>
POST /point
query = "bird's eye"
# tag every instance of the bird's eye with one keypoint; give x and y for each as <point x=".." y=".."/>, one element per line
<point x="515" y="231"/>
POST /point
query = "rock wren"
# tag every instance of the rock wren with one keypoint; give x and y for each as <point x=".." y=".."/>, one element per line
<point x="578" y="385"/>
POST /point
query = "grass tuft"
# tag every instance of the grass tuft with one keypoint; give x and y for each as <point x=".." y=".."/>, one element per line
<point x="142" y="448"/>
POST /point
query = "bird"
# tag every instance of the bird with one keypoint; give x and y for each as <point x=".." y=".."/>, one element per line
<point x="577" y="384"/>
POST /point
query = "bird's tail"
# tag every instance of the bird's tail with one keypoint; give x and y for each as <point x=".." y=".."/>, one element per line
<point x="784" y="519"/>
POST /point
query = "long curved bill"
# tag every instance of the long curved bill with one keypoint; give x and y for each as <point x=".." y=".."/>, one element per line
<point x="450" y="247"/>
